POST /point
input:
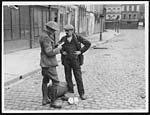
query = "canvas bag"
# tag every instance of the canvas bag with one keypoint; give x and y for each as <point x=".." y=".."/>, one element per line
<point x="61" y="89"/>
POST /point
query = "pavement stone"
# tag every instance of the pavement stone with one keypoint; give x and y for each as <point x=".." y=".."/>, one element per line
<point x="111" y="79"/>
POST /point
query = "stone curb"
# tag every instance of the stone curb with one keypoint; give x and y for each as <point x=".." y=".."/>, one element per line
<point x="21" y="77"/>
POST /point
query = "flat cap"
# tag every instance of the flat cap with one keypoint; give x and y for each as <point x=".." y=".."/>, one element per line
<point x="68" y="27"/>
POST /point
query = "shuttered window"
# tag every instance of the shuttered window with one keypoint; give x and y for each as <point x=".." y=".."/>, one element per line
<point x="7" y="23"/>
<point x="24" y="22"/>
<point x="15" y="24"/>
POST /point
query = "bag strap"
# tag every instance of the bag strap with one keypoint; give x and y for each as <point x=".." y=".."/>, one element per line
<point x="77" y="42"/>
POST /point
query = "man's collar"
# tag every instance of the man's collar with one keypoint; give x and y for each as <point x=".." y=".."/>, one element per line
<point x="50" y="36"/>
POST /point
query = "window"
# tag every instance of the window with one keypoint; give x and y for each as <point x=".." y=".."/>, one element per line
<point x="124" y="16"/>
<point x="118" y="9"/>
<point x="134" y="16"/>
<point x="109" y="10"/>
<point x="127" y="8"/>
<point x="114" y="9"/>
<point x="117" y="17"/>
<point x="54" y="14"/>
<point x="137" y="8"/>
<point x="132" y="8"/>
<point x="109" y="17"/>
<point x="56" y="18"/>
<point x="122" y="8"/>
<point x="129" y="16"/>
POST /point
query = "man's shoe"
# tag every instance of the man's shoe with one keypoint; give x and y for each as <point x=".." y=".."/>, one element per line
<point x="45" y="101"/>
<point x="83" y="97"/>
<point x="55" y="105"/>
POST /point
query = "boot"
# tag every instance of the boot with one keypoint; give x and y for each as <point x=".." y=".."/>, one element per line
<point x="53" y="100"/>
<point x="45" y="99"/>
<point x="83" y="97"/>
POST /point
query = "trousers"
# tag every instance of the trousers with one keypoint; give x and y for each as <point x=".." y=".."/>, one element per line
<point x="73" y="65"/>
<point x="50" y="73"/>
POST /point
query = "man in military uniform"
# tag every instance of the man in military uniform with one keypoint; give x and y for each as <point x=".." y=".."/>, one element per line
<point x="70" y="52"/>
<point x="48" y="62"/>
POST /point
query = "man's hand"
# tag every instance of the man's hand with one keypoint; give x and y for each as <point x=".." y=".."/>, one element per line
<point x="61" y="43"/>
<point x="77" y="52"/>
<point x="64" y="53"/>
<point x="59" y="47"/>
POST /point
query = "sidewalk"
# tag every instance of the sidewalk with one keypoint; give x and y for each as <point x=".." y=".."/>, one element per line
<point x="21" y="64"/>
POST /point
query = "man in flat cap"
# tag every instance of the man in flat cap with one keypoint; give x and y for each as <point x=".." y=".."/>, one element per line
<point x="70" y="56"/>
<point x="48" y="62"/>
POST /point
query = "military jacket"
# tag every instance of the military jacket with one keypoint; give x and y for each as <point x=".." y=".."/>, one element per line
<point x="48" y="51"/>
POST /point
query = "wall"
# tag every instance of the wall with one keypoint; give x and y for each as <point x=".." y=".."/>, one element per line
<point x="16" y="28"/>
<point x="90" y="19"/>
<point x="15" y="45"/>
<point x="82" y="24"/>
<point x="91" y="24"/>
<point x="128" y="25"/>
<point x="130" y="16"/>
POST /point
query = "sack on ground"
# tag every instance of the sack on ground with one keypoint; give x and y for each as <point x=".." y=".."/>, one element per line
<point x="61" y="89"/>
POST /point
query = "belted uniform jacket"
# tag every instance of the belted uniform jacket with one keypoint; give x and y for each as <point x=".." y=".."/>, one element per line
<point x="48" y="52"/>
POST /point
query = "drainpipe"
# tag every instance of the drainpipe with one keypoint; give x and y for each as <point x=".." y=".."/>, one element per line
<point x="31" y="37"/>
<point x="101" y="26"/>
<point x="78" y="19"/>
<point x="49" y="12"/>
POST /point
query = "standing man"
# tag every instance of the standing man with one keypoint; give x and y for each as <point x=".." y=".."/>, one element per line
<point x="71" y="50"/>
<point x="48" y="62"/>
<point x="117" y="24"/>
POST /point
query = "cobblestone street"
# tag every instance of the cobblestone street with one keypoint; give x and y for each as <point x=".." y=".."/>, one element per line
<point x="113" y="76"/>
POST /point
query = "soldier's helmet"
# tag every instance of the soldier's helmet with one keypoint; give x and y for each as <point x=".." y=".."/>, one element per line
<point x="69" y="27"/>
<point x="53" y="25"/>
